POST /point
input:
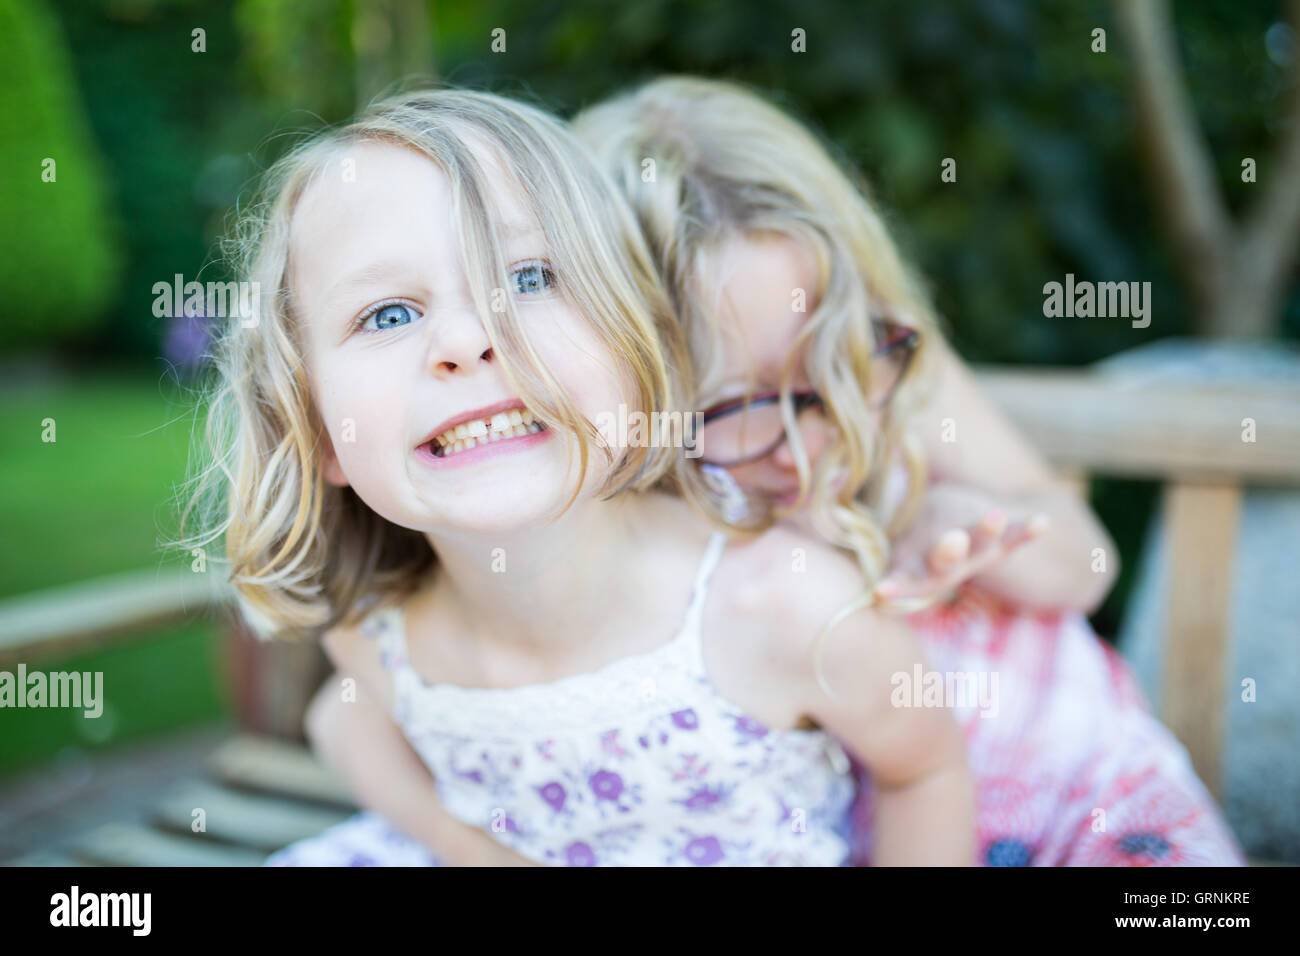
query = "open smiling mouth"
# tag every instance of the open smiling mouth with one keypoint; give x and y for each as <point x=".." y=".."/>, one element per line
<point x="516" y="423"/>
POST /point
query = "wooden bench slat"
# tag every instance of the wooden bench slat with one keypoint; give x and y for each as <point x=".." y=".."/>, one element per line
<point x="128" y="844"/>
<point x="1124" y="426"/>
<point x="257" y="822"/>
<point x="46" y="858"/>
<point x="274" y="766"/>
<point x="63" y="620"/>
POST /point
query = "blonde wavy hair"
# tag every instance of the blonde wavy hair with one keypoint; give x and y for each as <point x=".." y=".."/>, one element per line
<point x="704" y="161"/>
<point x="305" y="555"/>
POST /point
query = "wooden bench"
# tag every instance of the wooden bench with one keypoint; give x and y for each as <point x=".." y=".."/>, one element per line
<point x="261" y="793"/>
<point x="1189" y="438"/>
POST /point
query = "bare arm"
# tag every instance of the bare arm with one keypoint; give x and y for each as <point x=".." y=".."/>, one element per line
<point x="987" y="454"/>
<point x="925" y="808"/>
<point x="925" y="798"/>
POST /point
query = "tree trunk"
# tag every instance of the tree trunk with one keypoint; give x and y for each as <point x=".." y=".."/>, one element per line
<point x="1237" y="274"/>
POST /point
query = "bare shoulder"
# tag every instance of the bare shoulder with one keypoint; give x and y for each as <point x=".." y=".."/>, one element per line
<point x="785" y="575"/>
<point x="805" y="603"/>
<point x="355" y="654"/>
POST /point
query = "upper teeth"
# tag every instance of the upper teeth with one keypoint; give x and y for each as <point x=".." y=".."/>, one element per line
<point x="511" y="424"/>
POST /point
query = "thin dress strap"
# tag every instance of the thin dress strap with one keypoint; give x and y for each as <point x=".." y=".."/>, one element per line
<point x="385" y="626"/>
<point x="700" y="589"/>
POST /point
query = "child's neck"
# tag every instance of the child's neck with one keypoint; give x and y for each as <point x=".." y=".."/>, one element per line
<point x="547" y="590"/>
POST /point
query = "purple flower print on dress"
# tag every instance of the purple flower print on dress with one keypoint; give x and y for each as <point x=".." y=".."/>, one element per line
<point x="752" y="735"/>
<point x="553" y="793"/>
<point x="703" y="851"/>
<point x="686" y="719"/>
<point x="379" y="626"/>
<point x="490" y="769"/>
<point x="606" y="784"/>
<point x="579" y="854"/>
<point x="616" y="841"/>
<point x="610" y="789"/>
<point x="390" y="658"/>
<point x="610" y="746"/>
<point x="703" y="798"/>
<point x="690" y="767"/>
<point x="360" y="859"/>
<point x="786" y="811"/>
<point x="747" y="726"/>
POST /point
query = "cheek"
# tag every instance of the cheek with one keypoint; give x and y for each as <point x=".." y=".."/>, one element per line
<point x="594" y="380"/>
<point x="749" y="477"/>
<point x="818" y="435"/>
<point x="363" y="416"/>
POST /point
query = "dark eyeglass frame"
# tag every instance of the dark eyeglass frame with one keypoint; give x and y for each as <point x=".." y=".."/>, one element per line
<point x="895" y="337"/>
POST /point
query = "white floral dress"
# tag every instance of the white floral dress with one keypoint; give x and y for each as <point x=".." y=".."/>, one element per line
<point x="641" y="763"/>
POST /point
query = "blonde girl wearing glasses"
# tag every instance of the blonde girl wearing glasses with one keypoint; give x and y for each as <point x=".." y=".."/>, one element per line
<point x="787" y="281"/>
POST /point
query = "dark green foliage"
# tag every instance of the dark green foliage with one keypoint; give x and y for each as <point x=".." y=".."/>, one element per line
<point x="59" y="257"/>
<point x="1049" y="176"/>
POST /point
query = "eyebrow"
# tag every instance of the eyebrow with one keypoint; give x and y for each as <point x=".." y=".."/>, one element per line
<point x="394" y="269"/>
<point x="378" y="272"/>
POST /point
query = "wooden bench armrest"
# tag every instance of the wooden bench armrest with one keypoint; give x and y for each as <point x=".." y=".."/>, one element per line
<point x="62" y="620"/>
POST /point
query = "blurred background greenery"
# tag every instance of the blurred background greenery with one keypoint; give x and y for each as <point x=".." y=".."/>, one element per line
<point x="155" y="141"/>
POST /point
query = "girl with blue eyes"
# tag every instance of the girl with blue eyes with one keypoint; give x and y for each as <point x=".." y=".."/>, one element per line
<point x="404" y="464"/>
<point x="528" y="279"/>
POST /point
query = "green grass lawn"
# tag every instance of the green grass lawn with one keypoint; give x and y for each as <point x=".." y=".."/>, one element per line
<point x="98" y="500"/>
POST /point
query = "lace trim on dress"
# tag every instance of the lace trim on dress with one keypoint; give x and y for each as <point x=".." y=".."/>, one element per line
<point x="661" y="680"/>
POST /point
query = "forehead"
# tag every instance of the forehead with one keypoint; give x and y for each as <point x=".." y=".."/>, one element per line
<point x="381" y="193"/>
<point x="368" y="181"/>
<point x="754" y="284"/>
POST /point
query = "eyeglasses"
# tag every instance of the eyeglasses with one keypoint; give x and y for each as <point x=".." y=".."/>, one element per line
<point x="743" y="430"/>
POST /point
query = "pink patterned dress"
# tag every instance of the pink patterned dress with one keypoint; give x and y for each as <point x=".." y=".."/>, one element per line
<point x="1071" y="767"/>
<point x="644" y="762"/>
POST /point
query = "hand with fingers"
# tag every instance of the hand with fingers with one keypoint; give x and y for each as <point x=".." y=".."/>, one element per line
<point x="960" y="533"/>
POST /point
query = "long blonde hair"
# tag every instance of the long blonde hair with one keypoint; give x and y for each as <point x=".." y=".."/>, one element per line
<point x="705" y="160"/>
<point x="303" y="553"/>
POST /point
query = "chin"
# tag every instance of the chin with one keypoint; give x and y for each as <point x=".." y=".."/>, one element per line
<point x="496" y="511"/>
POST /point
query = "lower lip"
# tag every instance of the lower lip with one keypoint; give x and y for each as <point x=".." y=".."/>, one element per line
<point x="482" y="452"/>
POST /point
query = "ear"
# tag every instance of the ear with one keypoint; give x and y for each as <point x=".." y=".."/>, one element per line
<point x="330" y="469"/>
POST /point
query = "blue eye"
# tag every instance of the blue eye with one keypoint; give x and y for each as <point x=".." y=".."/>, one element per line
<point x="533" y="277"/>
<point x="390" y="315"/>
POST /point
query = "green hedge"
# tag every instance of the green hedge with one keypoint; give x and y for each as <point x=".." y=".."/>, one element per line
<point x="58" y="262"/>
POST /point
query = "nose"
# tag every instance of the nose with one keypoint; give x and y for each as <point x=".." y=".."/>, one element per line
<point x="814" y="431"/>
<point x="459" y="344"/>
